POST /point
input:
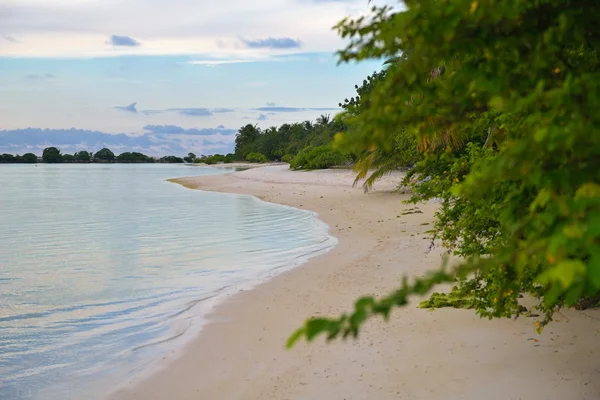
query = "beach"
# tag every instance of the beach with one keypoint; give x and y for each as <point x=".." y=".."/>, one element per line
<point x="418" y="354"/>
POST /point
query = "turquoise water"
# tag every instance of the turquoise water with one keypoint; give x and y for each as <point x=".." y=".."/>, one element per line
<point x="105" y="267"/>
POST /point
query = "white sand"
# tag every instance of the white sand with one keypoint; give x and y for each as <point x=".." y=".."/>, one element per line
<point x="419" y="354"/>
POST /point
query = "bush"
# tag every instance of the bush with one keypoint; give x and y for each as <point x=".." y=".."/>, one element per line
<point x="287" y="158"/>
<point x="318" y="158"/>
<point x="256" y="157"/>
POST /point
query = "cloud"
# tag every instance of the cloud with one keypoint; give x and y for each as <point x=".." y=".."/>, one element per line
<point x="35" y="77"/>
<point x="175" y="27"/>
<point x="178" y="130"/>
<point x="191" y="111"/>
<point x="293" y="109"/>
<point x="10" y="39"/>
<point x="262" y="117"/>
<point x="273" y="43"/>
<point x="159" y="140"/>
<point x="123" y="41"/>
<point x="271" y="104"/>
<point x="215" y="63"/>
<point x="130" y="108"/>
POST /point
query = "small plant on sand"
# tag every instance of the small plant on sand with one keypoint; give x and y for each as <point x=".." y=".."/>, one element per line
<point x="256" y="158"/>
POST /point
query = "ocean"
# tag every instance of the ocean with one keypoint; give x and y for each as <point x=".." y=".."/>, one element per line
<point x="104" y="268"/>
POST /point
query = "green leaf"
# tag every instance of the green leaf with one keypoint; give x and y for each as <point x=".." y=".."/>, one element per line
<point x="594" y="267"/>
<point x="294" y="338"/>
<point x="589" y="190"/>
<point x="564" y="272"/>
<point x="541" y="200"/>
<point x="315" y="326"/>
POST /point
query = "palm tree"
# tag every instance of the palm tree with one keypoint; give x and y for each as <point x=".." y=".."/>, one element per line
<point x="324" y="119"/>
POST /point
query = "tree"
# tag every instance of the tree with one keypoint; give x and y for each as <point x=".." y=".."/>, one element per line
<point x="29" y="158"/>
<point x="170" y="160"/>
<point x="243" y="140"/>
<point x="501" y="99"/>
<point x="51" y="155"/>
<point x="7" y="158"/>
<point x="68" y="158"/>
<point x="82" y="156"/>
<point x="324" y="120"/>
<point x="133" y="157"/>
<point x="104" y="155"/>
<point x="190" y="158"/>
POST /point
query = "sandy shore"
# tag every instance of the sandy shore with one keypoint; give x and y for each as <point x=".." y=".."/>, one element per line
<point x="419" y="354"/>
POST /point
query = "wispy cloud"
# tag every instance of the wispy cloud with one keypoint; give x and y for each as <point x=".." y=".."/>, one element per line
<point x="190" y="111"/>
<point x="271" y="104"/>
<point x="262" y="117"/>
<point x="10" y="39"/>
<point x="293" y="109"/>
<point x="123" y="41"/>
<point x="174" y="27"/>
<point x="130" y="108"/>
<point x="272" y="43"/>
<point x="215" y="63"/>
<point x="179" y="130"/>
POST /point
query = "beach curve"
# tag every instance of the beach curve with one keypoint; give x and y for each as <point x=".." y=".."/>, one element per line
<point x="449" y="354"/>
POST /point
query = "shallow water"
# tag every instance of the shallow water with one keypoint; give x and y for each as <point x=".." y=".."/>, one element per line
<point x="99" y="264"/>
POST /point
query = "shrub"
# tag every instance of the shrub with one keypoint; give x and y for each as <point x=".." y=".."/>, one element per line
<point x="287" y="158"/>
<point x="318" y="158"/>
<point x="256" y="157"/>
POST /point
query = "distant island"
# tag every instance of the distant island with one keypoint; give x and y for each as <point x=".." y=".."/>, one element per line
<point x="52" y="155"/>
<point x="304" y="145"/>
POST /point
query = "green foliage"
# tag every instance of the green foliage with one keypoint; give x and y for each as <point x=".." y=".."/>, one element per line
<point x="216" y="158"/>
<point x="29" y="158"/>
<point x="276" y="142"/>
<point x="170" y="160"/>
<point x="104" y="155"/>
<point x="7" y="158"/>
<point x="287" y="158"/>
<point x="83" y="156"/>
<point x="455" y="299"/>
<point x="189" y="158"/>
<point x="68" y="158"/>
<point x="51" y="155"/>
<point x="500" y="100"/>
<point x="133" y="157"/>
<point x="318" y="158"/>
<point x="256" y="157"/>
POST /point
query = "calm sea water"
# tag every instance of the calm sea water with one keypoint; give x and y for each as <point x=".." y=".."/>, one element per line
<point x="103" y="267"/>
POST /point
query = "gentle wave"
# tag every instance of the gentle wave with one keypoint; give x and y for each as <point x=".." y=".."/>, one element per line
<point x="103" y="266"/>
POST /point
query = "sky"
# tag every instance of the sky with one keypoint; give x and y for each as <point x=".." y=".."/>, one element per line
<point x="167" y="76"/>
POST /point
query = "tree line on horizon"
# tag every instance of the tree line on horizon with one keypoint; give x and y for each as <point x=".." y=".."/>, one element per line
<point x="52" y="155"/>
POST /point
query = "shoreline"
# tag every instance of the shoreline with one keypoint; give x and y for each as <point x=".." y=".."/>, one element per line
<point x="239" y="354"/>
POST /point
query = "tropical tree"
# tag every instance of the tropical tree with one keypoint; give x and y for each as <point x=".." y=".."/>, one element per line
<point x="243" y="140"/>
<point x="324" y="120"/>
<point x="7" y="158"/>
<point x="29" y="158"/>
<point x="82" y="156"/>
<point x="51" y="155"/>
<point x="104" y="155"/>
<point x="190" y="158"/>
<point x="500" y="98"/>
